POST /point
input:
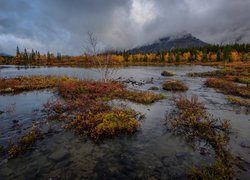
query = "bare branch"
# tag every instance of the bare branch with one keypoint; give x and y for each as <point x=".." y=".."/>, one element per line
<point x="104" y="64"/>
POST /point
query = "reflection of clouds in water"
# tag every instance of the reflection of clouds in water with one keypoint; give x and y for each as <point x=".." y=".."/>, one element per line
<point x="152" y="146"/>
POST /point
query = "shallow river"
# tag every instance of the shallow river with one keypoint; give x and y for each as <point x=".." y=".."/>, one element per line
<point x="152" y="152"/>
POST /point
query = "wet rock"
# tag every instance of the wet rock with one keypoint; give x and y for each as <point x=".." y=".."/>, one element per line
<point x="153" y="88"/>
<point x="169" y="161"/>
<point x="150" y="81"/>
<point x="3" y="162"/>
<point x="59" y="155"/>
<point x="133" y="82"/>
<point x="164" y="175"/>
<point x="204" y="151"/>
<point x="63" y="164"/>
<point x="87" y="148"/>
<point x="8" y="90"/>
<point x="181" y="155"/>
<point x="158" y="164"/>
<point x="244" y="145"/>
<point x="167" y="73"/>
<point x="176" y="173"/>
<point x="113" y="169"/>
<point x="15" y="121"/>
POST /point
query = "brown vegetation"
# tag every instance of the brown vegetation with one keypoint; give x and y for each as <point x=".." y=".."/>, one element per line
<point x="19" y="84"/>
<point x="174" y="85"/>
<point x="228" y="87"/>
<point x="26" y="142"/>
<point x="196" y="124"/>
<point x="84" y="108"/>
<point x="238" y="101"/>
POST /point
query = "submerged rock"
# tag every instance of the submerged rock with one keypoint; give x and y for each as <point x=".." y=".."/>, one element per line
<point x="59" y="155"/>
<point x="245" y="145"/>
<point x="6" y="171"/>
<point x="176" y="172"/>
<point x="1" y="112"/>
<point x="181" y="155"/>
<point x="154" y="88"/>
<point x="15" y="121"/>
<point x="167" y="73"/>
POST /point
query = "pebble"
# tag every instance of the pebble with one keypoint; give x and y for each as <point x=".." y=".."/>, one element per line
<point x="244" y="145"/>
<point x="175" y="173"/>
<point x="59" y="155"/>
<point x="15" y="121"/>
<point x="181" y="155"/>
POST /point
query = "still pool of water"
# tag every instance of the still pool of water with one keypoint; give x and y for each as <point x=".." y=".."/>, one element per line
<point x="152" y="152"/>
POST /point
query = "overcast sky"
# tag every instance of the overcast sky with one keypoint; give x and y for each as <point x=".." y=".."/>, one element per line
<point x="62" y="25"/>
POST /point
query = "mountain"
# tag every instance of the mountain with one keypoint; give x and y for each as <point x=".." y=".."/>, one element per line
<point x="168" y="43"/>
<point x="5" y="55"/>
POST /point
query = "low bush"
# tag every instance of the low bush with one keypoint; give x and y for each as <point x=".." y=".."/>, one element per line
<point x="174" y="85"/>
<point x="19" y="84"/>
<point x="106" y="124"/>
<point x="228" y="87"/>
<point x="238" y="101"/>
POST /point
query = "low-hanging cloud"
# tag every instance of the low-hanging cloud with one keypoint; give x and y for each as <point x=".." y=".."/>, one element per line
<point x="62" y="25"/>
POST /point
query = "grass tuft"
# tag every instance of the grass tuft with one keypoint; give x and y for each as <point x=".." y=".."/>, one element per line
<point x="174" y="85"/>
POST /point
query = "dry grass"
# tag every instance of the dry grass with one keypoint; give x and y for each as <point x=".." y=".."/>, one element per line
<point x="228" y="87"/>
<point x="174" y="85"/>
<point x="195" y="123"/>
<point x="20" y="84"/>
<point x="25" y="143"/>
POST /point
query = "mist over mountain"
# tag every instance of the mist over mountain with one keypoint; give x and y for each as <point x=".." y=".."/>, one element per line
<point x="43" y="24"/>
<point x="5" y="54"/>
<point x="169" y="43"/>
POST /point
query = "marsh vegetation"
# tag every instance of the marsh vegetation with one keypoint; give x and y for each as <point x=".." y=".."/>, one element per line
<point x="94" y="125"/>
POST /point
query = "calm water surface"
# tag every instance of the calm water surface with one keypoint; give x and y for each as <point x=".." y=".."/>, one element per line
<point x="152" y="152"/>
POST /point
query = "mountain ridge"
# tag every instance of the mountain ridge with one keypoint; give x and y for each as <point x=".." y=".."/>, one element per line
<point x="169" y="43"/>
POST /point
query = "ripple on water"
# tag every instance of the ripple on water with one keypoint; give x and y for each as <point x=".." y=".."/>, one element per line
<point x="152" y="152"/>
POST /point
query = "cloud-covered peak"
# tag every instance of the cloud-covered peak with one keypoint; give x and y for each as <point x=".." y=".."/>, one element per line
<point x="62" y="25"/>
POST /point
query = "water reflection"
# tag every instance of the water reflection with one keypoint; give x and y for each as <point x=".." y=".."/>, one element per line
<point x="153" y="152"/>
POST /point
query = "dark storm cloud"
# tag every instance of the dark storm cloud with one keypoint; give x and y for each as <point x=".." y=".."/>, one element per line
<point x="62" y="25"/>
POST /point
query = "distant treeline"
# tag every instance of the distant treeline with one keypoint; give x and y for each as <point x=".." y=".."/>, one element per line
<point x="209" y="53"/>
